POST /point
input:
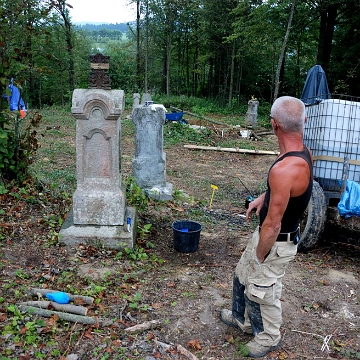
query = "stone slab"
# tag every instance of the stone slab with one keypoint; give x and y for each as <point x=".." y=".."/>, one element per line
<point x="113" y="237"/>
<point x="160" y="193"/>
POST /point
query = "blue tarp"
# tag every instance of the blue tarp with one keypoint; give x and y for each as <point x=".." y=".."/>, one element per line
<point x="15" y="101"/>
<point x="316" y="87"/>
<point x="349" y="204"/>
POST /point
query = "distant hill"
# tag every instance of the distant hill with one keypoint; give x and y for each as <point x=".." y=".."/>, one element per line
<point x="123" y="27"/>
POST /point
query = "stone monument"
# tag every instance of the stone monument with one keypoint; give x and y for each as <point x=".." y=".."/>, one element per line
<point x="149" y="163"/>
<point x="252" y="112"/>
<point x="136" y="98"/>
<point x="99" y="213"/>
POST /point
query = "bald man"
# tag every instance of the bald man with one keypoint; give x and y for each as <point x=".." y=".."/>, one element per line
<point x="257" y="283"/>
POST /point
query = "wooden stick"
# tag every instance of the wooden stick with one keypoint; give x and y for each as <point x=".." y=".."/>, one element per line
<point x="245" y="151"/>
<point x="65" y="316"/>
<point x="144" y="326"/>
<point x="35" y="291"/>
<point x="69" y="308"/>
<point x="260" y="133"/>
<point x="211" y="265"/>
<point x="186" y="353"/>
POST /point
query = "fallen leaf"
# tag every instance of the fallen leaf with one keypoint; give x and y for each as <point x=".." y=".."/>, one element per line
<point x="229" y="338"/>
<point x="150" y="336"/>
<point x="79" y="301"/>
<point x="157" y="355"/>
<point x="46" y="330"/>
<point x="282" y="356"/>
<point x="156" y="306"/>
<point x="194" y="344"/>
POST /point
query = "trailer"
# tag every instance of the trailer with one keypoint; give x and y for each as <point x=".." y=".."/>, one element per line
<point x="332" y="133"/>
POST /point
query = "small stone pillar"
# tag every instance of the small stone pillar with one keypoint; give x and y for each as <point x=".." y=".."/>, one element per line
<point x="252" y="112"/>
<point x="149" y="163"/>
<point x="136" y="98"/>
<point x="146" y="99"/>
<point x="99" y="215"/>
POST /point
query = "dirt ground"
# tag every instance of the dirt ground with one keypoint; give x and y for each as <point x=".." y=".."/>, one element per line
<point x="184" y="294"/>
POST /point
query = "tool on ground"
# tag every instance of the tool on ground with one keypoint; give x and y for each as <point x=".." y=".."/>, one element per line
<point x="251" y="197"/>
<point x="214" y="187"/>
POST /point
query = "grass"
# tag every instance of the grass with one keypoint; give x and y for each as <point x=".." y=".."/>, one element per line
<point x="54" y="165"/>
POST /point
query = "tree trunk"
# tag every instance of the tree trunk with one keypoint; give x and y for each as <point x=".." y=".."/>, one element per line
<point x="282" y="53"/>
<point x="327" y="25"/>
<point x="232" y="75"/>
<point x="168" y="62"/>
<point x="138" y="65"/>
<point x="69" y="45"/>
<point x="146" y="47"/>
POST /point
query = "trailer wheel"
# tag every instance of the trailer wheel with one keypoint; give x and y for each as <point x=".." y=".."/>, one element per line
<point x="313" y="221"/>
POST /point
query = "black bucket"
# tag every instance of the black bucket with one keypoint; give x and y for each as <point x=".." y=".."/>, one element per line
<point x="186" y="235"/>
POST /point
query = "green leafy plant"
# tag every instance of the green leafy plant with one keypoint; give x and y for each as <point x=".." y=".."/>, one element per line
<point x="134" y="194"/>
<point x="18" y="144"/>
<point x="136" y="254"/>
<point x="178" y="133"/>
<point x="17" y="331"/>
<point x="134" y="302"/>
<point x="143" y="231"/>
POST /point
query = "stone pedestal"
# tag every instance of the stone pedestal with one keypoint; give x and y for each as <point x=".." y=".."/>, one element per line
<point x="149" y="163"/>
<point x="99" y="202"/>
<point x="252" y="112"/>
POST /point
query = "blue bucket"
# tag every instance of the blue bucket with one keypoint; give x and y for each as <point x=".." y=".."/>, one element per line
<point x="186" y="235"/>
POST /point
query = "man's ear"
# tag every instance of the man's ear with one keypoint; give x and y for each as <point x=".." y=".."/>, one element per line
<point x="274" y="124"/>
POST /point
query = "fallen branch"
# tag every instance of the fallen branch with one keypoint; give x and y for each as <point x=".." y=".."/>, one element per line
<point x="211" y="265"/>
<point x="307" y="333"/>
<point x="260" y="133"/>
<point x="252" y="134"/>
<point x="65" y="316"/>
<point x="348" y="245"/>
<point x="142" y="327"/>
<point x="186" y="352"/>
<point x="35" y="291"/>
<point x="218" y="148"/>
<point x="69" y="308"/>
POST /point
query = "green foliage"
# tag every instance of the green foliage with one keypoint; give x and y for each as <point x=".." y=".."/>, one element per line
<point x="143" y="231"/>
<point x="20" y="331"/>
<point x="136" y="254"/>
<point x="18" y="144"/>
<point x="179" y="133"/>
<point x="134" y="194"/>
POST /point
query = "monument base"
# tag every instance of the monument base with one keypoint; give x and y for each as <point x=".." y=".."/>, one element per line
<point x="160" y="193"/>
<point x="113" y="237"/>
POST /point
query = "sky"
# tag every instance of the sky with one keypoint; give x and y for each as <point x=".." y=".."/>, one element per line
<point x="102" y="11"/>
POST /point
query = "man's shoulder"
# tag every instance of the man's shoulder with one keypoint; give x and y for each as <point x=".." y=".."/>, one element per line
<point x="290" y="166"/>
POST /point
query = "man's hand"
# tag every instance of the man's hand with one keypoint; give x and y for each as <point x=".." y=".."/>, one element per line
<point x="255" y="205"/>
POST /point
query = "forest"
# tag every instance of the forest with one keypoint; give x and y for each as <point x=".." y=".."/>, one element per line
<point x="226" y="51"/>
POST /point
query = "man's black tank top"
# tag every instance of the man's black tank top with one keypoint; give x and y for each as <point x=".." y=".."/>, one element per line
<point x="297" y="205"/>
